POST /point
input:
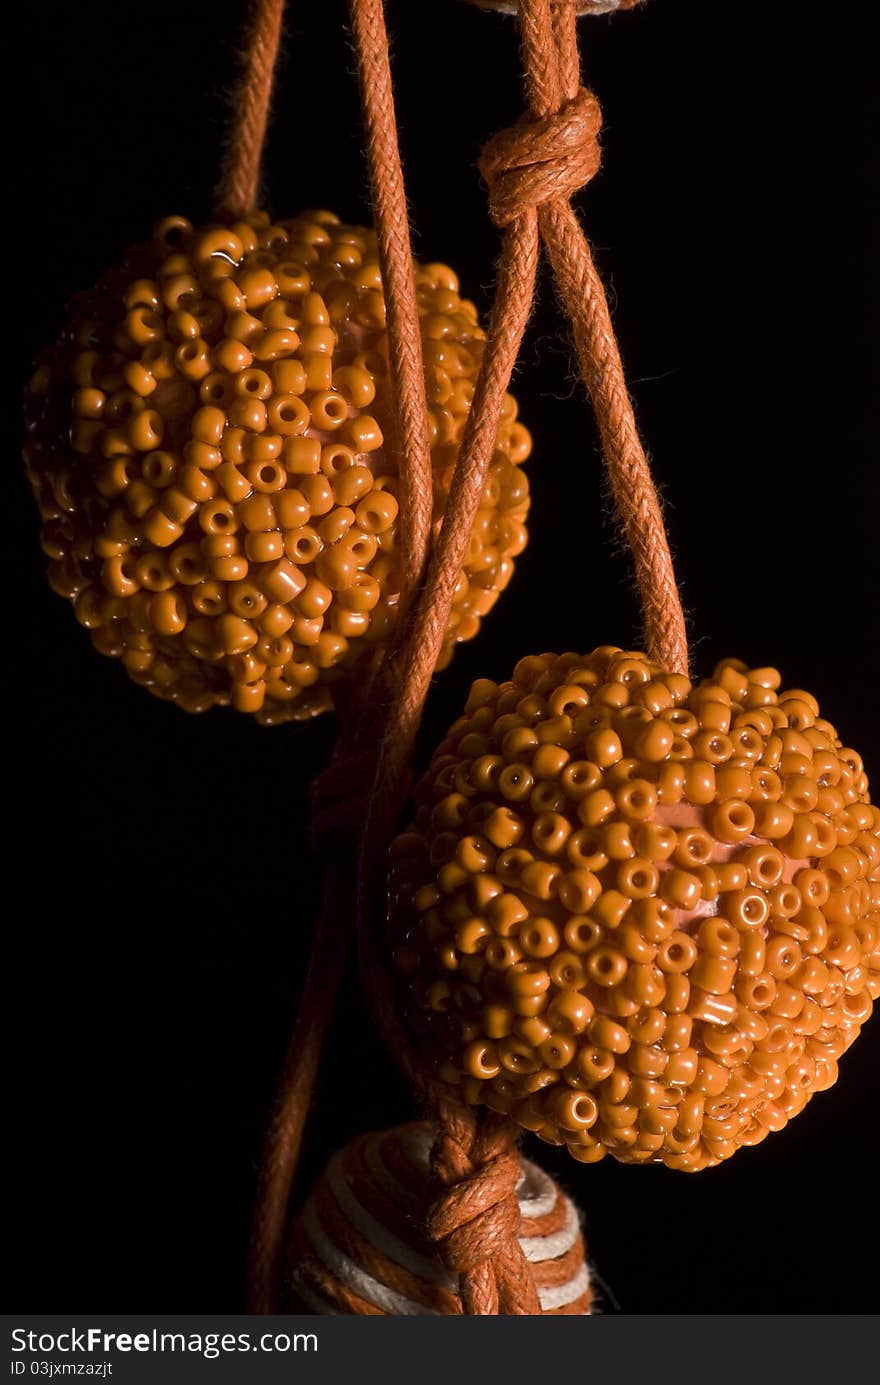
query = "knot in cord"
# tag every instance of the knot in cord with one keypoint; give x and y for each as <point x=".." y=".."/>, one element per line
<point x="539" y="164"/>
<point x="542" y="160"/>
<point x="477" y="1216"/>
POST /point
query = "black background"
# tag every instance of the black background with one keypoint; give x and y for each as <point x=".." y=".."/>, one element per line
<point x="161" y="893"/>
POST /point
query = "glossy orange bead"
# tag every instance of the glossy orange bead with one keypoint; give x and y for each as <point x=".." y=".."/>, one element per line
<point x="689" y="942"/>
<point x="235" y="383"/>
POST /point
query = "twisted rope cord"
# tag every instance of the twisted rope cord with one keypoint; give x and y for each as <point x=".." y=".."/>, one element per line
<point x="240" y="181"/>
<point x="537" y="165"/>
<point x="475" y="1220"/>
<point x="535" y="170"/>
<point x="543" y="163"/>
<point x="341" y="793"/>
<point x="421" y="640"/>
<point x="398" y="280"/>
<point x="577" y="7"/>
<point x="477" y="1235"/>
<point x="628" y="469"/>
<point x="474" y="1155"/>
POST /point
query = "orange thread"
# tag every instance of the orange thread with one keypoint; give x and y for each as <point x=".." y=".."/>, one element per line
<point x="395" y="257"/>
<point x="541" y="163"/>
<point x="475" y="1221"/>
<point x="284" y="1136"/>
<point x="240" y="181"/>
<point x="602" y="369"/>
<point x="533" y="169"/>
<point x="578" y="7"/>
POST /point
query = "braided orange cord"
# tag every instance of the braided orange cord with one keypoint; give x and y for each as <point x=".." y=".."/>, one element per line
<point x="240" y="181"/>
<point x="544" y="162"/>
<point x="628" y="469"/>
<point x="532" y="171"/>
<point x="493" y="1271"/>
<point x="475" y="1220"/>
<point x="477" y="1224"/>
<point x="541" y="164"/>
<point x="513" y="301"/>
<point x="577" y="7"/>
<point x="398" y="281"/>
<point x="341" y="792"/>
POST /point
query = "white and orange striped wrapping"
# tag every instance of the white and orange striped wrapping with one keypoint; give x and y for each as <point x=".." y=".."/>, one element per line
<point x="582" y="6"/>
<point x="358" y="1247"/>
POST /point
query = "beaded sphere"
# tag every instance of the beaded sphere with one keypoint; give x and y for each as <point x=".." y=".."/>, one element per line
<point x="640" y="916"/>
<point x="359" y="1245"/>
<point x="209" y="444"/>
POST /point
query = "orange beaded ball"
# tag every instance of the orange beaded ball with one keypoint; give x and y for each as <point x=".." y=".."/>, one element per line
<point x="210" y="444"/>
<point x="640" y="916"/>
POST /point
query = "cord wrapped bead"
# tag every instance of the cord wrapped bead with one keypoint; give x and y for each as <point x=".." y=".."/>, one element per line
<point x="639" y="916"/>
<point x="362" y="1246"/>
<point x="582" y="7"/>
<point x="209" y="444"/>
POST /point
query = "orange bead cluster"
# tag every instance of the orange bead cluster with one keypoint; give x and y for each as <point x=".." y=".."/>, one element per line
<point x="641" y="917"/>
<point x="207" y="444"/>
